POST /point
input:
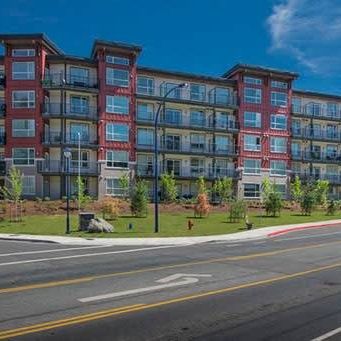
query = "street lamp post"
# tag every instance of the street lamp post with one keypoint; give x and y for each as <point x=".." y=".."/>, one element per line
<point x="67" y="156"/>
<point x="156" y="152"/>
<point x="79" y="169"/>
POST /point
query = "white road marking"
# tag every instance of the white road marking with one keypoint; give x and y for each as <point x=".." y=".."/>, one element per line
<point x="88" y="255"/>
<point x="53" y="250"/>
<point x="187" y="279"/>
<point x="328" y="335"/>
<point x="308" y="237"/>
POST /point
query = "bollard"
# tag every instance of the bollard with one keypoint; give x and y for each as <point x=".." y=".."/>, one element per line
<point x="189" y="224"/>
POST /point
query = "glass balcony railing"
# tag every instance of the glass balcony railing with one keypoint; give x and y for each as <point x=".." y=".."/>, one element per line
<point x="58" y="138"/>
<point x="52" y="80"/>
<point x="60" y="167"/>
<point x="59" y="109"/>
<point x="321" y="111"/>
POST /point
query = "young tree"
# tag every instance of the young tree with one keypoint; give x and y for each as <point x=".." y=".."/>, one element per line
<point x="139" y="199"/>
<point x="308" y="200"/>
<point x="82" y="197"/>
<point x="169" y="189"/>
<point x="296" y="190"/>
<point x="321" y="191"/>
<point x="124" y="184"/>
<point x="14" y="191"/>
<point x="272" y="199"/>
<point x="201" y="184"/>
<point x="224" y="188"/>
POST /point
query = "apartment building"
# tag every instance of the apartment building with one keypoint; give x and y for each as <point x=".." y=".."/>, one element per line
<point x="246" y="124"/>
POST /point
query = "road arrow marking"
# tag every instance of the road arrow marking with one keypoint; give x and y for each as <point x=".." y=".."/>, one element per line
<point x="187" y="279"/>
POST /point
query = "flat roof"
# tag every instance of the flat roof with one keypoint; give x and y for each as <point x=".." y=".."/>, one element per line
<point x="316" y="94"/>
<point x="186" y="75"/>
<point x="259" y="69"/>
<point x="116" y="45"/>
<point x="33" y="36"/>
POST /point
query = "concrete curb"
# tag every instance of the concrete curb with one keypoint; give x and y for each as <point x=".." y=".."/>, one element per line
<point x="260" y="233"/>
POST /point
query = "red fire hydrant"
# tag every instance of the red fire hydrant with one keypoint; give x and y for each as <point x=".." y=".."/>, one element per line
<point x="189" y="224"/>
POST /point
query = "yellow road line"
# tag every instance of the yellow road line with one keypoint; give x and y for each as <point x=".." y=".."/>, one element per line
<point x="158" y="268"/>
<point x="140" y="307"/>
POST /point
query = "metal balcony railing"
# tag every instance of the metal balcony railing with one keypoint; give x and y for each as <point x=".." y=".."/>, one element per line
<point x="318" y="111"/>
<point x="53" y="80"/>
<point x="58" y="138"/>
<point x="59" y="167"/>
<point x="332" y="178"/>
<point x="316" y="156"/>
<point x="308" y="133"/>
<point x="70" y="110"/>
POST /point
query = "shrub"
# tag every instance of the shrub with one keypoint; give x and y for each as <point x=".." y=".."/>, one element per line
<point x="296" y="190"/>
<point x="124" y="184"/>
<point x="223" y="188"/>
<point x="272" y="199"/>
<point x="321" y="189"/>
<point x="110" y="208"/>
<point x="202" y="208"/>
<point x="308" y="200"/>
<point x="82" y="197"/>
<point x="169" y="189"/>
<point x="139" y="199"/>
<point x="237" y="211"/>
<point x="332" y="207"/>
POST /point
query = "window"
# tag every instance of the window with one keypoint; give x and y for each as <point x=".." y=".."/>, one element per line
<point x="220" y="96"/>
<point x="252" y="80"/>
<point x="173" y="166"/>
<point x="84" y="159"/>
<point x="296" y="127"/>
<point x="114" y="188"/>
<point x="79" y="104"/>
<point x="23" y="156"/>
<point x="278" y="145"/>
<point x="281" y="189"/>
<point x="117" y="158"/>
<point x="279" y="84"/>
<point x="117" y="132"/>
<point x="22" y="70"/>
<point x="332" y="109"/>
<point x="296" y="149"/>
<point x="279" y="99"/>
<point x="332" y="131"/>
<point x="117" y="105"/>
<point x="29" y="184"/>
<point x="145" y="85"/>
<point x="145" y="164"/>
<point x="251" y="166"/>
<point x="252" y="142"/>
<point x="79" y="76"/>
<point x="198" y="92"/>
<point x="117" y="60"/>
<point x="145" y="111"/>
<point x="222" y="144"/>
<point x="331" y="152"/>
<point x="79" y="131"/>
<point x="197" y="118"/>
<point x="145" y="137"/>
<point x="252" y="119"/>
<point x="313" y="109"/>
<point x="278" y="168"/>
<point x="197" y="142"/>
<point x="278" y="122"/>
<point x="197" y="167"/>
<point x="172" y="116"/>
<point x="23" y="99"/>
<point x="172" y="142"/>
<point x="23" y="53"/>
<point x="23" y="128"/>
<point x="117" y="77"/>
<point x="252" y="95"/>
<point x="175" y="91"/>
<point x="296" y="104"/>
<point x="251" y="190"/>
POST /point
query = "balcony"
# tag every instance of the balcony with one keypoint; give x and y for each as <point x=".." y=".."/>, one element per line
<point x="67" y="110"/>
<point x="58" y="167"/>
<point x="321" y="135"/>
<point x="2" y="139"/>
<point x="191" y="148"/>
<point x="2" y="107"/>
<point x="319" y="112"/>
<point x="147" y="170"/>
<point x="215" y="97"/>
<point x="2" y="80"/>
<point x="61" y="80"/>
<point x="334" y="179"/>
<point x="57" y="139"/>
<point x="312" y="156"/>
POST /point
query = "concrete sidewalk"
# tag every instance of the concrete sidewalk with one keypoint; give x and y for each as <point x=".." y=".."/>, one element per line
<point x="260" y="233"/>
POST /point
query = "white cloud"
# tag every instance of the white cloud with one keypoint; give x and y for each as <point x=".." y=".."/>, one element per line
<point x="310" y="31"/>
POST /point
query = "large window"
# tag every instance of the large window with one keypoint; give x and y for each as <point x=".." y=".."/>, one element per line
<point x="278" y="145"/>
<point x="117" y="158"/>
<point x="252" y="95"/>
<point x="332" y="109"/>
<point x="197" y="167"/>
<point x="252" y="80"/>
<point x="175" y="91"/>
<point x="117" y="60"/>
<point x="22" y="70"/>
<point x="23" y="128"/>
<point x="313" y="109"/>
<point x="278" y="122"/>
<point x="79" y="76"/>
<point x="23" y="52"/>
<point x="83" y="156"/>
<point x="117" y="105"/>
<point x="197" y="142"/>
<point x="173" y="166"/>
<point x="29" y="185"/>
<point x="251" y="166"/>
<point x="197" y="118"/>
<point x="252" y="142"/>
<point x="145" y="111"/>
<point x="23" y="156"/>
<point x="251" y="190"/>
<point x="79" y="131"/>
<point x="252" y="119"/>
<point x="279" y="84"/>
<point x="172" y="142"/>
<point x="296" y="104"/>
<point x="220" y="96"/>
<point x="198" y="92"/>
<point x="117" y="77"/>
<point x="117" y="132"/>
<point x="279" y="99"/>
<point x="296" y="149"/>
<point x="113" y="187"/>
<point x="145" y="85"/>
<point x="79" y="104"/>
<point x="278" y="168"/>
<point x="145" y="137"/>
<point x="23" y="99"/>
<point x="172" y="116"/>
<point x="222" y="144"/>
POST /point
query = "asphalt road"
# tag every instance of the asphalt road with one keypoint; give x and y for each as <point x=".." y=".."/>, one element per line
<point x="284" y="288"/>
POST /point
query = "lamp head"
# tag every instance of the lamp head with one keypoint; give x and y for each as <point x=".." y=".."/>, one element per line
<point x="183" y="85"/>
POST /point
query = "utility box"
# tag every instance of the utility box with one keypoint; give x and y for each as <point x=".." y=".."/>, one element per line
<point x="84" y="220"/>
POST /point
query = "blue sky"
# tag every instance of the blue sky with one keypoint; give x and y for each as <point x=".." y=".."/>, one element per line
<point x="199" y="36"/>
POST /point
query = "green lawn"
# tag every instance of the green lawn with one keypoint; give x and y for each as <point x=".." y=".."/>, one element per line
<point x="170" y="224"/>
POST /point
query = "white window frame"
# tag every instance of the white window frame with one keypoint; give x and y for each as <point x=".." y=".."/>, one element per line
<point x="279" y="84"/>
<point x="276" y="125"/>
<point x="148" y="114"/>
<point x="30" y="188"/>
<point x="255" y="98"/>
<point x="112" y="189"/>
<point x="149" y="133"/>
<point x="252" y="170"/>
<point x="274" y="148"/>
<point x="117" y="77"/>
<point x="199" y="95"/>
<point x="29" y="101"/>
<point x="256" y="191"/>
<point x="253" y="80"/>
<point x="113" y="159"/>
<point x="145" y="89"/>
<point x="257" y="123"/>
<point x="275" y="170"/>
<point x="28" y="131"/>
<point x="114" y="108"/>
<point x="248" y="146"/>
<point x="28" y="74"/>
<point x="30" y="160"/>
<point x="275" y="101"/>
<point x="117" y="60"/>
<point x="111" y="135"/>
<point x="23" y="52"/>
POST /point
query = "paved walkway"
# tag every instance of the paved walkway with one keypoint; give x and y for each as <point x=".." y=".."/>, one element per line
<point x="260" y="233"/>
